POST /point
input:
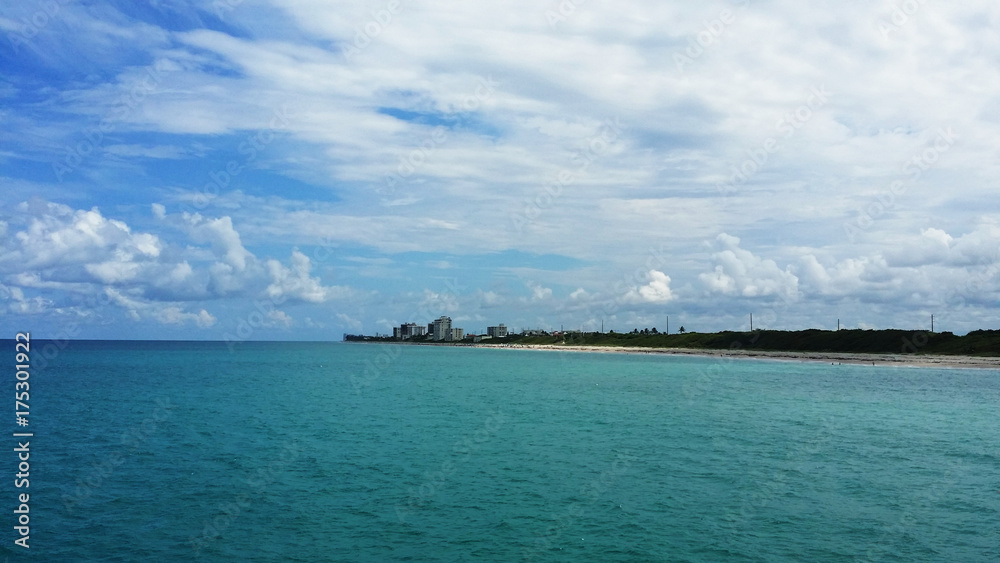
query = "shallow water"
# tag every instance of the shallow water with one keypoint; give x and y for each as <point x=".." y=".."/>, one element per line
<point x="362" y="452"/>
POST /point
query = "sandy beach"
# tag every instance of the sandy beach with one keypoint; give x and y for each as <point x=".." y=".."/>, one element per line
<point x="902" y="360"/>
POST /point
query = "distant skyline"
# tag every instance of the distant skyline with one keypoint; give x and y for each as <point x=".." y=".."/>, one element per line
<point x="301" y="169"/>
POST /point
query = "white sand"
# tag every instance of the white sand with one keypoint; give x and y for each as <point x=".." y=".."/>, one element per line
<point x="912" y="360"/>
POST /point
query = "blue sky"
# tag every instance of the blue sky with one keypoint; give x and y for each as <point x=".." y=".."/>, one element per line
<point x="297" y="169"/>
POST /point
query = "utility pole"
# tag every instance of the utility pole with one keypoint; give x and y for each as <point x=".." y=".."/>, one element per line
<point x="751" y="322"/>
<point x="668" y="324"/>
<point x="838" y="325"/>
<point x="932" y="323"/>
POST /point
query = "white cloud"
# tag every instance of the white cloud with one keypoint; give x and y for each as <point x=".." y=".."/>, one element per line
<point x="222" y="237"/>
<point x="740" y="273"/>
<point x="539" y="293"/>
<point x="138" y="308"/>
<point x="934" y="269"/>
<point x="56" y="235"/>
<point x="13" y="300"/>
<point x="174" y="315"/>
<point x="81" y="253"/>
<point x="490" y="298"/>
<point x="295" y="283"/>
<point x="280" y="317"/>
<point x="350" y="322"/>
<point x="445" y="302"/>
<point x="656" y="291"/>
<point x="653" y="183"/>
<point x="935" y="246"/>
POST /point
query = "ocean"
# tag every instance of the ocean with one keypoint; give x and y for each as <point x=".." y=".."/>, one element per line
<point x="179" y="451"/>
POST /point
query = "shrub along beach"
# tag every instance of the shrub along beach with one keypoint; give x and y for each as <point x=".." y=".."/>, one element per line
<point x="979" y="348"/>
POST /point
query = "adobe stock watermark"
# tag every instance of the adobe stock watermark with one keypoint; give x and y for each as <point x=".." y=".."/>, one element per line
<point x="655" y="260"/>
<point x="223" y="7"/>
<point x="978" y="284"/>
<point x="787" y="126"/>
<point x="711" y="32"/>
<point x="899" y="16"/>
<point x="902" y="531"/>
<point x="255" y="143"/>
<point x="53" y="346"/>
<point x="590" y="492"/>
<point x="367" y="32"/>
<point x="914" y="168"/>
<point x="562" y="12"/>
<point x="257" y="484"/>
<point x="264" y="314"/>
<point x="29" y="27"/>
<point x="376" y="366"/>
<point x="607" y="307"/>
<point x="104" y="468"/>
<point x="410" y="163"/>
<point x="93" y="137"/>
<point x="433" y="482"/>
<point x="776" y="481"/>
<point x="595" y="148"/>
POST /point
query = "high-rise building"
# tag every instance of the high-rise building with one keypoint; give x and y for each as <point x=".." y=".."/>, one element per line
<point x="407" y="331"/>
<point x="441" y="327"/>
<point x="497" y="331"/>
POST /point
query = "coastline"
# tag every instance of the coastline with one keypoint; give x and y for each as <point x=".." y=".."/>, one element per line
<point x="901" y="360"/>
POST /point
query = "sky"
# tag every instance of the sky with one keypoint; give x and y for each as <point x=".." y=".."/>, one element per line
<point x="300" y="169"/>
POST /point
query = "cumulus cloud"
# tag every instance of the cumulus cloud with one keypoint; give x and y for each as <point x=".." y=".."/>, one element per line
<point x="59" y="236"/>
<point x="84" y="254"/>
<point x="740" y="273"/>
<point x="490" y="298"/>
<point x="656" y="291"/>
<point x="220" y="234"/>
<point x="280" y="317"/>
<point x="294" y="282"/>
<point x="139" y="309"/>
<point x="350" y="322"/>
<point x="539" y="293"/>
<point x="933" y="268"/>
<point x="12" y="300"/>
<point x="935" y="246"/>
<point x="445" y="302"/>
<point x="851" y="277"/>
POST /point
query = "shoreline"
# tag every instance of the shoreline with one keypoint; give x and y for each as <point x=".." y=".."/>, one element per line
<point x="901" y="360"/>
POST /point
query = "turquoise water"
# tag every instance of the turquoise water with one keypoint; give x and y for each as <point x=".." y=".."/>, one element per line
<point x="358" y="452"/>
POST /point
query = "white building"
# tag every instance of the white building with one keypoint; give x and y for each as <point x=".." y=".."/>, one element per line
<point x="455" y="334"/>
<point x="497" y="331"/>
<point x="441" y="327"/>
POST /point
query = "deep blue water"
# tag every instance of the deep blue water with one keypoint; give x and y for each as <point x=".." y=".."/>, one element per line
<point x="172" y="451"/>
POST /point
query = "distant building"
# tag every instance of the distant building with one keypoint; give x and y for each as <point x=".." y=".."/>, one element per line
<point x="497" y="331"/>
<point x="441" y="327"/>
<point x="455" y="334"/>
<point x="407" y="331"/>
<point x="481" y="337"/>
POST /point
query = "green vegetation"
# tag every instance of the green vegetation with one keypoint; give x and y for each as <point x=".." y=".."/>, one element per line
<point x="976" y="343"/>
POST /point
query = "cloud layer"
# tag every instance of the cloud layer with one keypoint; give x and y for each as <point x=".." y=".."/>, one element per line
<point x="172" y="167"/>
